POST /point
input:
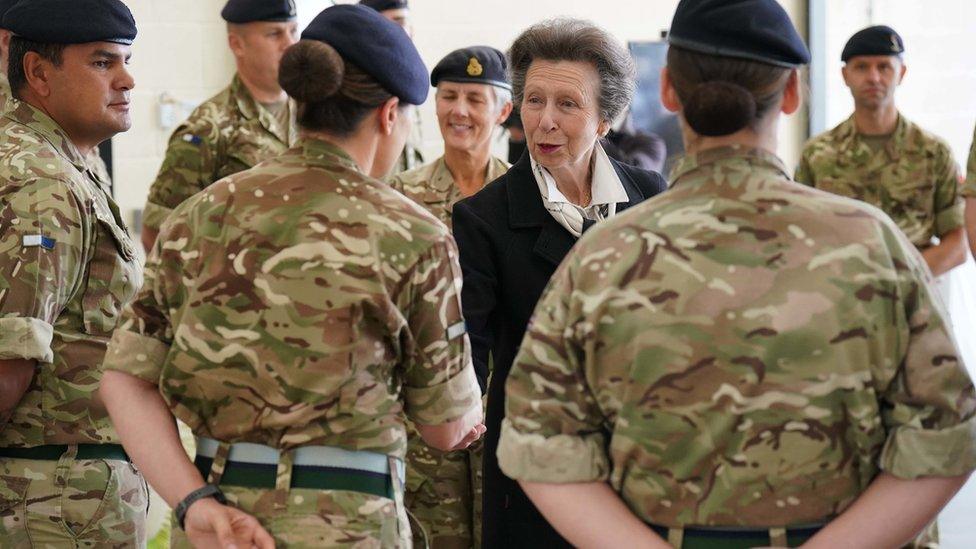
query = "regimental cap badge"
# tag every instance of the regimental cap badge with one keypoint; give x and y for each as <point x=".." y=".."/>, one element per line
<point x="474" y="67"/>
<point x="895" y="46"/>
<point x="292" y="9"/>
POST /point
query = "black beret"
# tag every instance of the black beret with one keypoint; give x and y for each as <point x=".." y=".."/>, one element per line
<point x="383" y="5"/>
<point x="249" y="11"/>
<point x="477" y="64"/>
<point x="71" y="21"/>
<point x="376" y="45"/>
<point x="757" y="30"/>
<point x="5" y="5"/>
<point x="877" y="40"/>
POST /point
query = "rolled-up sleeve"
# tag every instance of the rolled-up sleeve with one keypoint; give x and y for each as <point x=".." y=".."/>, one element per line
<point x="949" y="204"/>
<point x="42" y="232"/>
<point x="552" y="430"/>
<point x="931" y="420"/>
<point x="440" y="385"/>
<point x="969" y="189"/>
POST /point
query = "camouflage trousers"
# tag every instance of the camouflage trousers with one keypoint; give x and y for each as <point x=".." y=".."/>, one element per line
<point x="303" y="518"/>
<point x="71" y="503"/>
<point x="443" y="493"/>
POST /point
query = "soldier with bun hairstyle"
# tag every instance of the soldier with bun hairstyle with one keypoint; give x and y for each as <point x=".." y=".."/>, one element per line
<point x="742" y="361"/>
<point x="293" y="313"/>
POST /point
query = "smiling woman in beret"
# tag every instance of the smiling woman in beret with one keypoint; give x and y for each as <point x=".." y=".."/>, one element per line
<point x="292" y="313"/>
<point x="473" y="98"/>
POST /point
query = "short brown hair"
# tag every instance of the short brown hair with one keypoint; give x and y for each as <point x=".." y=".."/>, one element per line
<point x="577" y="40"/>
<point x="19" y="47"/>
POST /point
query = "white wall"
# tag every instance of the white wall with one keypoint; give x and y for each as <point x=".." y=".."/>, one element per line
<point x="181" y="50"/>
<point x="939" y="90"/>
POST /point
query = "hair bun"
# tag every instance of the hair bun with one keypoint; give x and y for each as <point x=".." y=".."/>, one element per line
<point x="311" y="71"/>
<point x="717" y="108"/>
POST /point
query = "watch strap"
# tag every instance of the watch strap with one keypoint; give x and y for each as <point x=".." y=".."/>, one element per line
<point x="206" y="491"/>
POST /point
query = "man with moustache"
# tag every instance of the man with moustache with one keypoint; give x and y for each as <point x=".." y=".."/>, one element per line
<point x="248" y="122"/>
<point x="67" y="268"/>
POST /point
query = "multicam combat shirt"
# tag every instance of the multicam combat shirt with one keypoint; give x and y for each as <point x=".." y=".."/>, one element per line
<point x="432" y="185"/>
<point x="970" y="189"/>
<point x="228" y="133"/>
<point x="67" y="268"/>
<point x="741" y="350"/>
<point x="302" y="303"/>
<point x="913" y="178"/>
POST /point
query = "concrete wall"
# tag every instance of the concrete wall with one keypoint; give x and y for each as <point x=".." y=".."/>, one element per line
<point x="181" y="51"/>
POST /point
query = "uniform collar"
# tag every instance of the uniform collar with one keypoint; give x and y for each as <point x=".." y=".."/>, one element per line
<point x="251" y="110"/>
<point x="46" y="127"/>
<point x="759" y="158"/>
<point x="323" y="153"/>
<point x="441" y="180"/>
<point x="850" y="139"/>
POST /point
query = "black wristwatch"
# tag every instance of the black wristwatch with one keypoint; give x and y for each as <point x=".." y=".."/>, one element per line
<point x="207" y="491"/>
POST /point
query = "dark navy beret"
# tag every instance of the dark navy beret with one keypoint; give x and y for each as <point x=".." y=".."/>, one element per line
<point x="376" y="45"/>
<point x="477" y="64"/>
<point x="383" y="5"/>
<point x="71" y="21"/>
<point x="249" y="11"/>
<point x="5" y="5"/>
<point x="757" y="30"/>
<point x="877" y="40"/>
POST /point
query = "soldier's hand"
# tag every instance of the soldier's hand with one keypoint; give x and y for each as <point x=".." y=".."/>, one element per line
<point x="473" y="435"/>
<point x="210" y="524"/>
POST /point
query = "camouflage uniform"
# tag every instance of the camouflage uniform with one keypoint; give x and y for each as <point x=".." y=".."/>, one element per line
<point x="443" y="488"/>
<point x="432" y="186"/>
<point x="969" y="190"/>
<point x="67" y="267"/>
<point x="913" y="179"/>
<point x="302" y="303"/>
<point x="739" y="351"/>
<point x="228" y="133"/>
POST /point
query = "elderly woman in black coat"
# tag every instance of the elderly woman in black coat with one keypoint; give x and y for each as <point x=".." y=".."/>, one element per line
<point x="571" y="79"/>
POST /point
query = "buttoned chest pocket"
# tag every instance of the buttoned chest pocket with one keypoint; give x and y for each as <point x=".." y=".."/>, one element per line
<point x="914" y="189"/>
<point x="114" y="273"/>
<point x="910" y="195"/>
<point x="843" y="186"/>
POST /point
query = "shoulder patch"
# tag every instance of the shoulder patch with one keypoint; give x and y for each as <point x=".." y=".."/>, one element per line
<point x="37" y="240"/>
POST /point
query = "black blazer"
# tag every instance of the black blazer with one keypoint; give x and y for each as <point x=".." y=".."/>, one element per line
<point x="509" y="248"/>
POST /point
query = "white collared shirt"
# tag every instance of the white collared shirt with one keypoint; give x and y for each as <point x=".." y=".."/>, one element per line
<point x="606" y="192"/>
